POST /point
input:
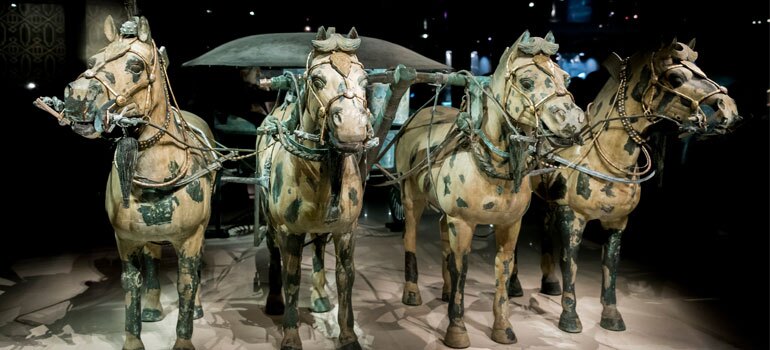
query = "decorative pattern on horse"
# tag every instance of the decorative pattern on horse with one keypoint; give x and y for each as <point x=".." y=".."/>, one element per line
<point x="644" y="89"/>
<point x="472" y="165"/>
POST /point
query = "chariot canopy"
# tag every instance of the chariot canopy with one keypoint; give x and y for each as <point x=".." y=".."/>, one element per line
<point x="289" y="50"/>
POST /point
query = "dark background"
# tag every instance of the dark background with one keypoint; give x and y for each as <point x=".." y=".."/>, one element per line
<point x="703" y="224"/>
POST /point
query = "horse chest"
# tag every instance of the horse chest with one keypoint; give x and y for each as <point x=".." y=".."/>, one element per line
<point x="461" y="190"/>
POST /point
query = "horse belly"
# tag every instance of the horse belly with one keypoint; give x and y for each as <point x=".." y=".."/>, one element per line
<point x="605" y="200"/>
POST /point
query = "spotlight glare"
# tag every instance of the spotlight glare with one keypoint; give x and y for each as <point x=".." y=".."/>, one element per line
<point x="424" y="35"/>
<point x="531" y="4"/>
<point x="251" y="13"/>
<point x="31" y="85"/>
<point x="307" y="28"/>
<point x="636" y="16"/>
<point x="489" y="38"/>
<point x="208" y="11"/>
<point x="13" y="4"/>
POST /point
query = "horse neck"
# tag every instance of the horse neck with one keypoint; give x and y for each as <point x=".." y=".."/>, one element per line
<point x="611" y="136"/>
<point x="166" y="149"/>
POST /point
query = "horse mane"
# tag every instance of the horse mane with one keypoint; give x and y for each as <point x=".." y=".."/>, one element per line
<point x="336" y="42"/>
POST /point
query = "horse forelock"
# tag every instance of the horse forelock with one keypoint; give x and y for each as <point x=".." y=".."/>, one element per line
<point x="337" y="42"/>
<point x="536" y="45"/>
<point x="341" y="62"/>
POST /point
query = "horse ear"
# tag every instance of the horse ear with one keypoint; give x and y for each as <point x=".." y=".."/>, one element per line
<point x="321" y="35"/>
<point x="549" y="37"/>
<point x="110" y="31"/>
<point x="163" y="56"/>
<point x="674" y="41"/>
<point x="691" y="44"/>
<point x="524" y="36"/>
<point x="353" y="33"/>
<point x="144" y="30"/>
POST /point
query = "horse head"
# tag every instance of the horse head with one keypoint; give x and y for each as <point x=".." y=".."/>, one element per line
<point x="336" y="83"/>
<point x="119" y="80"/>
<point x="535" y="90"/>
<point x="680" y="90"/>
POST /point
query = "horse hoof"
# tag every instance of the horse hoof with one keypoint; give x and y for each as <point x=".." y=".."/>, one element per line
<point x="514" y="288"/>
<point x="183" y="344"/>
<point x="411" y="297"/>
<point x="351" y="346"/>
<point x="457" y="337"/>
<point x="133" y="343"/>
<point x="550" y="288"/>
<point x="570" y="322"/>
<point x="504" y="336"/>
<point x="445" y="297"/>
<point x="197" y="312"/>
<point x="151" y="315"/>
<point x="321" y="305"/>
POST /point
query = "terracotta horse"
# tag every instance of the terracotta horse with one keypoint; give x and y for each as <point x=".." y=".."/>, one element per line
<point x="161" y="181"/>
<point x="314" y="182"/>
<point x="470" y="168"/>
<point x="644" y="89"/>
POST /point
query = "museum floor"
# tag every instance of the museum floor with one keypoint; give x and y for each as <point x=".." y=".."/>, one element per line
<point x="76" y="301"/>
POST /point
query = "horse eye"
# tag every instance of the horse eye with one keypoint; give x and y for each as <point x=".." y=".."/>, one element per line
<point x="526" y="83"/>
<point x="318" y="82"/>
<point x="676" y="80"/>
<point x="136" y="67"/>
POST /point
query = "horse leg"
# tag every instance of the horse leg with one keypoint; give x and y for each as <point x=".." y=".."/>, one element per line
<point x="513" y="287"/>
<point x="446" y="289"/>
<point x="413" y="207"/>
<point x="460" y="234"/>
<point x="198" y="311"/>
<point x="570" y="225"/>
<point x="131" y="280"/>
<point x="318" y="299"/>
<point x="506" y="238"/>
<point x="188" y="281"/>
<point x="549" y="284"/>
<point x="274" y="304"/>
<point x="291" y="252"/>
<point x="344" y="246"/>
<point x="152" y="310"/>
<point x="611" y="318"/>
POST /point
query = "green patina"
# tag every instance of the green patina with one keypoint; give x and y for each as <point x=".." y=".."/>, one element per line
<point x="630" y="146"/>
<point x="292" y="212"/>
<point x="548" y="83"/>
<point x="610" y="258"/>
<point x="499" y="190"/>
<point x="462" y="178"/>
<point x="558" y="188"/>
<point x="607" y="189"/>
<point x="452" y="158"/>
<point x="452" y="229"/>
<point x="159" y="212"/>
<point x="457" y="280"/>
<point x="447" y="184"/>
<point x="278" y="183"/>
<point x="583" y="186"/>
<point x="173" y="168"/>
<point x="194" y="188"/>
<point x="131" y="280"/>
<point x="461" y="203"/>
<point x="410" y="267"/>
<point x="607" y="208"/>
<point x="353" y="196"/>
<point x="188" y="265"/>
